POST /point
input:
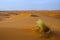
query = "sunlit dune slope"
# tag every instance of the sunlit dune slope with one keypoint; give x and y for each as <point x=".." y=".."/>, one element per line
<point x="19" y="21"/>
<point x="22" y="16"/>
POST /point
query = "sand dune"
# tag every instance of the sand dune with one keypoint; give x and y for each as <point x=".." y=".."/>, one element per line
<point x="19" y="27"/>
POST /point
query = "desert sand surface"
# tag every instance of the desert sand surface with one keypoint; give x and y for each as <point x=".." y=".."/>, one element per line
<point x="19" y="26"/>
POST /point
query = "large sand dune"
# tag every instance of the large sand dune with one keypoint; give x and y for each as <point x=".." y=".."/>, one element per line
<point x="19" y="27"/>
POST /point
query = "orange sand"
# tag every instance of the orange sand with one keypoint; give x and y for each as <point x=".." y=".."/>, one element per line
<point x="19" y="27"/>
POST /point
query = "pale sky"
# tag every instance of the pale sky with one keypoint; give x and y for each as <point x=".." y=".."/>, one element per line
<point x="29" y="4"/>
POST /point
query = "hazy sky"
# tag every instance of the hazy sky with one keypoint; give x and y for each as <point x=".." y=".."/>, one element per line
<point x="29" y="4"/>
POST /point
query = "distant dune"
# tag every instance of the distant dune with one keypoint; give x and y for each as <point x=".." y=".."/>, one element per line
<point x="7" y="14"/>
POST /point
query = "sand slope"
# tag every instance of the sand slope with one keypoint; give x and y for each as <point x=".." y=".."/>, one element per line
<point x="19" y="27"/>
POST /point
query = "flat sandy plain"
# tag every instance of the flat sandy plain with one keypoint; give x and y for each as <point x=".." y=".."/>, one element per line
<point x="18" y="25"/>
